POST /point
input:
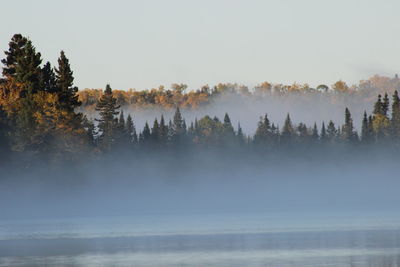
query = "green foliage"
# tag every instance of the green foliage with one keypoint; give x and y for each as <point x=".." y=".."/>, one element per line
<point x="108" y="124"/>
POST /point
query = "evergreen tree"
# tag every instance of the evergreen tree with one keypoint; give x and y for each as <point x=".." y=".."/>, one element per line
<point x="378" y="107"/>
<point x="67" y="93"/>
<point x="385" y="105"/>
<point x="131" y="131"/>
<point x="395" y="118"/>
<point x="240" y="136"/>
<point x="5" y="144"/>
<point x="324" y="136"/>
<point x="15" y="51"/>
<point x="48" y="79"/>
<point x="163" y="132"/>
<point x="178" y="128"/>
<point x="315" y="135"/>
<point x="331" y="131"/>
<point x="365" y="130"/>
<point x="381" y="123"/>
<point x="108" y="110"/>
<point x="145" y="136"/>
<point x="263" y="133"/>
<point x="287" y="131"/>
<point x="348" y="133"/>
<point x="155" y="133"/>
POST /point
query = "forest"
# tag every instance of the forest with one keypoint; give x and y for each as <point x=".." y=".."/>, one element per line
<point x="44" y="115"/>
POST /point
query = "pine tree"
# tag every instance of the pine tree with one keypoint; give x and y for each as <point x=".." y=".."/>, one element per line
<point x="5" y="144"/>
<point x="145" y="135"/>
<point x="15" y="51"/>
<point x="240" y="136"/>
<point x="155" y="133"/>
<point x="324" y="136"/>
<point x="163" y="132"/>
<point x="108" y="110"/>
<point x="178" y="129"/>
<point x="395" y="118"/>
<point x="27" y="69"/>
<point x="348" y="133"/>
<point x="263" y="133"/>
<point x="381" y="123"/>
<point x="67" y="93"/>
<point x="385" y="105"/>
<point x="48" y="79"/>
<point x="331" y="132"/>
<point x="365" y="138"/>
<point x="131" y="131"/>
<point x="228" y="131"/>
<point x="315" y="135"/>
<point x="287" y="134"/>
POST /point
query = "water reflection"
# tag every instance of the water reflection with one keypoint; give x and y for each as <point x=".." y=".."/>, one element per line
<point x="320" y="248"/>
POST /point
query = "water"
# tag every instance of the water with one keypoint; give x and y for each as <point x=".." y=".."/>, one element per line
<point x="224" y="239"/>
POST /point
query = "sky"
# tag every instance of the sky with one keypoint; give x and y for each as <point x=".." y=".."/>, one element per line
<point x="144" y="44"/>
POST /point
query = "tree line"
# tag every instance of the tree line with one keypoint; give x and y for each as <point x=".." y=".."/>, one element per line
<point x="39" y="115"/>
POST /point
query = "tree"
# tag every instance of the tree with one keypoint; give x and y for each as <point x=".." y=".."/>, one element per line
<point x="340" y="86"/>
<point x="385" y="105"/>
<point x="323" y="135"/>
<point x="155" y="133"/>
<point x="365" y="130"/>
<point x="15" y="51"/>
<point x="240" y="136"/>
<point x="131" y="131"/>
<point x="48" y="79"/>
<point x="315" y="136"/>
<point x="178" y="129"/>
<point x="5" y="145"/>
<point x="163" y="132"/>
<point x="64" y="82"/>
<point x="108" y="110"/>
<point x="381" y="123"/>
<point x="228" y="131"/>
<point x="287" y="131"/>
<point x="331" y="132"/>
<point x="348" y="133"/>
<point x="395" y="118"/>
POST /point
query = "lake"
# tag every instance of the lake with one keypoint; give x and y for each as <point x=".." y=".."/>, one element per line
<point x="200" y="239"/>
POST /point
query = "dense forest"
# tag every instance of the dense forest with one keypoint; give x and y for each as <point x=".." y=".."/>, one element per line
<point x="42" y="114"/>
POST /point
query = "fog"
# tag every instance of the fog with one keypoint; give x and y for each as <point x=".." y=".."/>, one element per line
<point x="202" y="182"/>
<point x="246" y="110"/>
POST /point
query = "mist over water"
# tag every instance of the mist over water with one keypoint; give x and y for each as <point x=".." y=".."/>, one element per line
<point x="204" y="208"/>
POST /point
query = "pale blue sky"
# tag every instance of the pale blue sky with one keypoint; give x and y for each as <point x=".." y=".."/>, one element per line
<point x="142" y="44"/>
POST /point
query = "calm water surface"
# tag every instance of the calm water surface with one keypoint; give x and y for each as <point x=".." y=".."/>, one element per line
<point x="204" y="240"/>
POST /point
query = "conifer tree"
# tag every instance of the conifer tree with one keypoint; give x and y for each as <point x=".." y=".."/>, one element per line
<point x="331" y="131"/>
<point x="67" y="93"/>
<point x="385" y="105"/>
<point x="155" y="133"/>
<point x="348" y="133"/>
<point x="315" y="135"/>
<point x="48" y="79"/>
<point x="5" y="144"/>
<point x="324" y="136"/>
<point x="15" y="51"/>
<point x="178" y="128"/>
<point x="240" y="136"/>
<point x="378" y="107"/>
<point x="145" y="136"/>
<point x="395" y="118"/>
<point x="365" y="130"/>
<point x="287" y="131"/>
<point x="131" y="131"/>
<point x="108" y="110"/>
<point x="381" y="123"/>
<point x="163" y="132"/>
